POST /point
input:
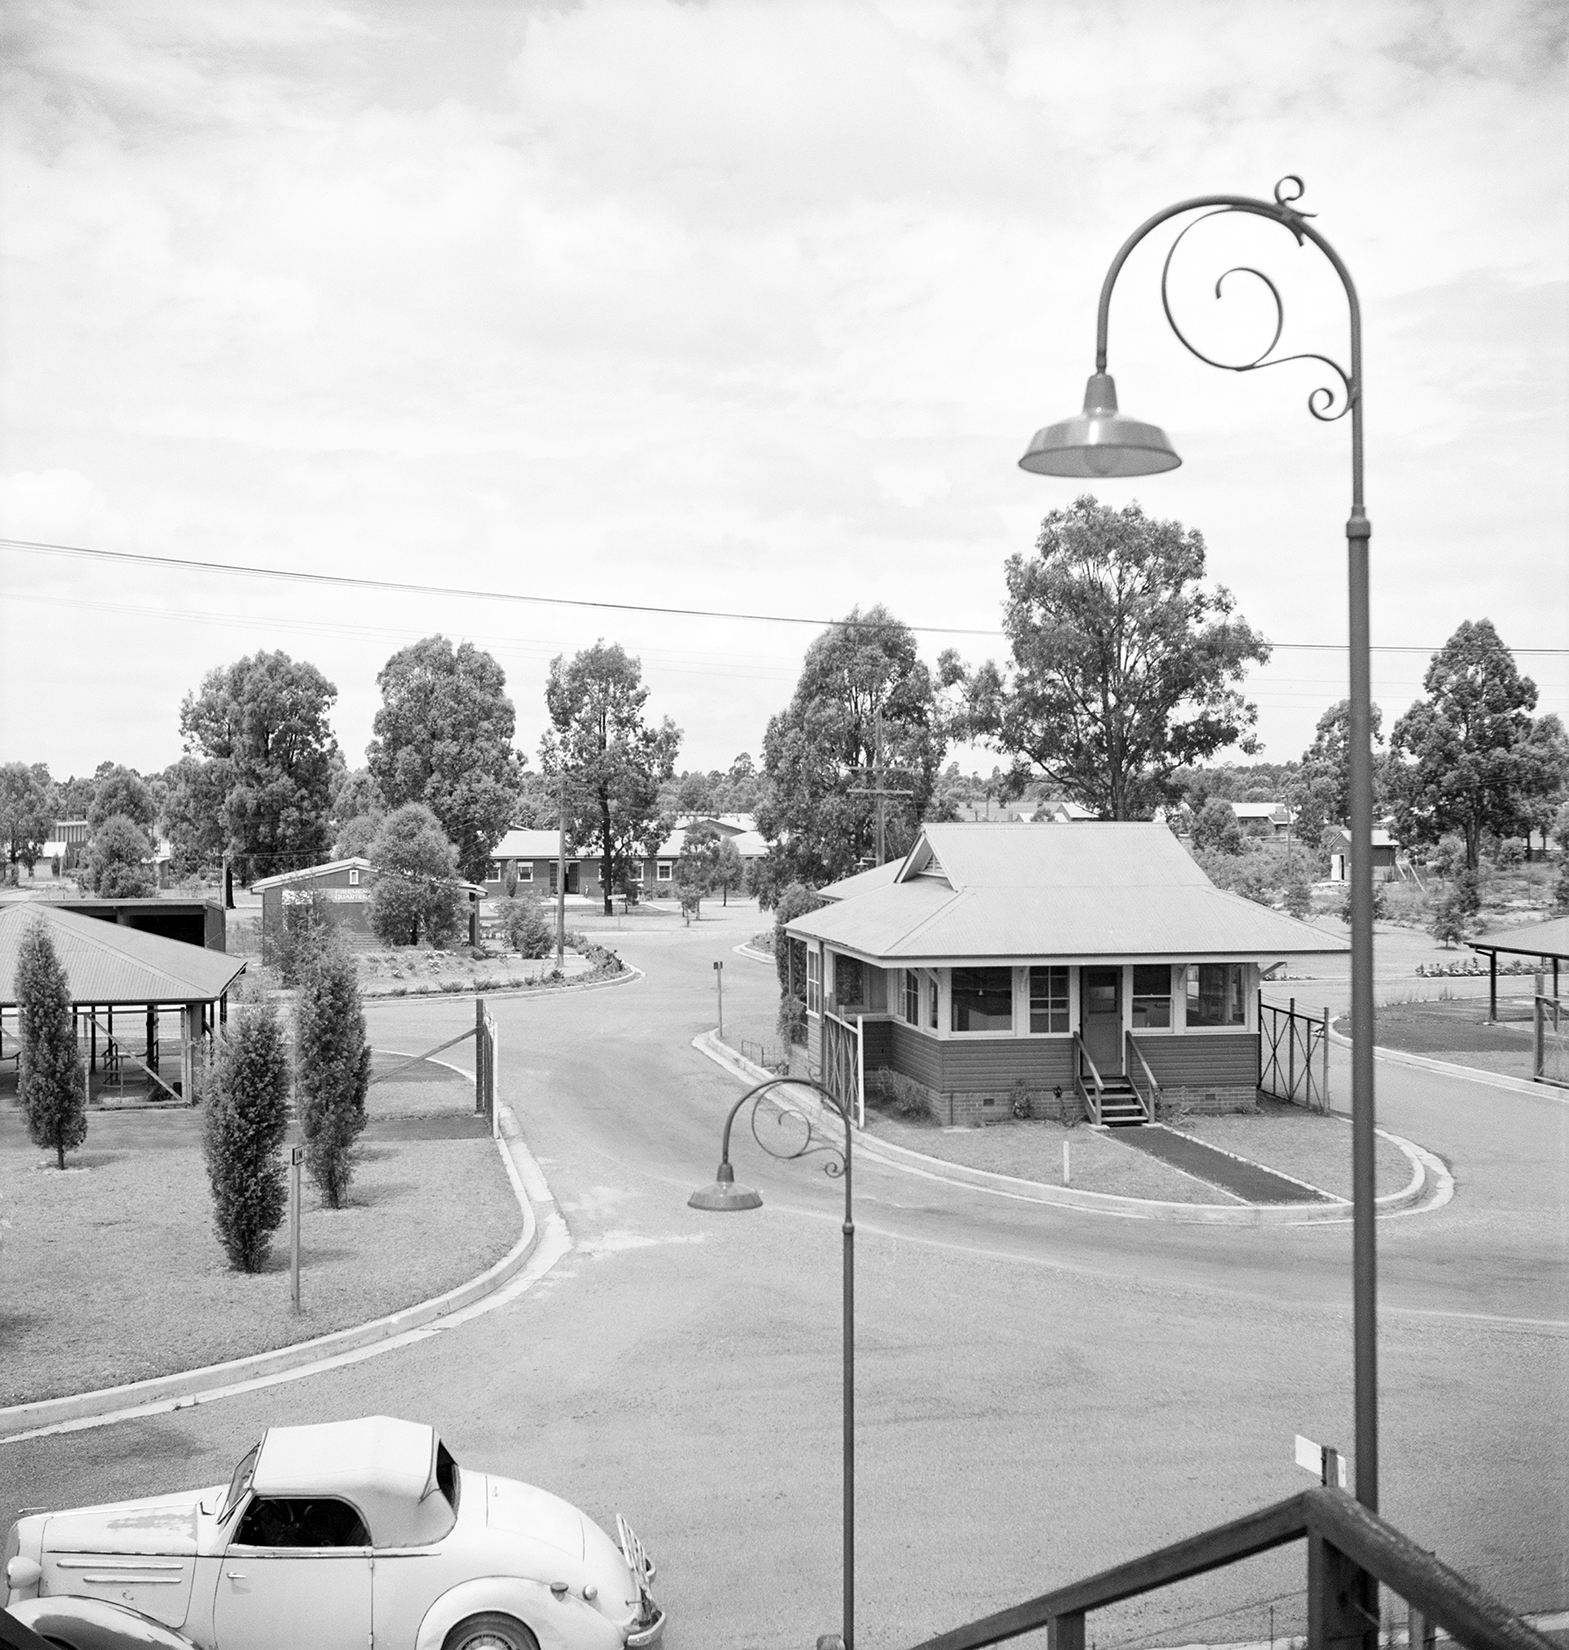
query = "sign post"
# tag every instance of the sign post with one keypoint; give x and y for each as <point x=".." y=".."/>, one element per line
<point x="296" y="1158"/>
<point x="719" y="986"/>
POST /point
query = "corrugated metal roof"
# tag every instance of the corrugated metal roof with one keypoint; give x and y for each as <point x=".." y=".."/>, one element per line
<point x="354" y="863"/>
<point x="1022" y="855"/>
<point x="1542" y="939"/>
<point x="528" y="844"/>
<point x="107" y="963"/>
<point x="860" y="882"/>
<point x="1102" y="890"/>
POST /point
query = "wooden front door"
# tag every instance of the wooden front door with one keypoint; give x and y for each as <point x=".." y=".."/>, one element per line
<point x="1100" y="1016"/>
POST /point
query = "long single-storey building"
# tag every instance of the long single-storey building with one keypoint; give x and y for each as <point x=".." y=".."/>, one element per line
<point x="532" y="855"/>
<point x="1096" y="966"/>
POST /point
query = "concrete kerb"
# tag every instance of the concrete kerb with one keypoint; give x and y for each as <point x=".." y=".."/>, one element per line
<point x="179" y="1391"/>
<point x="747" y="949"/>
<point x="1430" y="1187"/>
<point x="1446" y="1068"/>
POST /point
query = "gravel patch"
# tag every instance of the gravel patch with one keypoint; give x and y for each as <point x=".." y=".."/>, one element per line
<point x="113" y="1272"/>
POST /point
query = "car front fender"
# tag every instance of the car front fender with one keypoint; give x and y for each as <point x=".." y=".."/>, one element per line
<point x="569" y="1623"/>
<point x="96" y="1624"/>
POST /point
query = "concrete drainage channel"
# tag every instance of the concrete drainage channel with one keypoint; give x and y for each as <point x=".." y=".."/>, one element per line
<point x="1430" y="1187"/>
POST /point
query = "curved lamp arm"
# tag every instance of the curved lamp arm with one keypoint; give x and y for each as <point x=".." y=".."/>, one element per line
<point x="725" y="1195"/>
<point x="1282" y="210"/>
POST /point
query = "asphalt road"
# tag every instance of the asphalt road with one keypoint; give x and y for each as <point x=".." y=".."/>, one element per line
<point x="1040" y="1392"/>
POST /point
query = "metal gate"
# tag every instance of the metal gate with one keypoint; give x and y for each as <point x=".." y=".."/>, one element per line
<point x="1293" y="1055"/>
<point x="844" y="1066"/>
<point x="1549" y="1042"/>
<point x="486" y="1044"/>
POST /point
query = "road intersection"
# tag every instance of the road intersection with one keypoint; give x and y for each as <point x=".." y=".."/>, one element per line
<point x="1041" y="1391"/>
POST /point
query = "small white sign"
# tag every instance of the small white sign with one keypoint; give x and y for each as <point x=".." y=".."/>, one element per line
<point x="1310" y="1457"/>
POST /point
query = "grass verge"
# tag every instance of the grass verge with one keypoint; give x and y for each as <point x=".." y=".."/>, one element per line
<point x="113" y="1272"/>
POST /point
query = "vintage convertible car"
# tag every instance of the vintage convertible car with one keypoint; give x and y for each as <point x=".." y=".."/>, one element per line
<point x="345" y="1536"/>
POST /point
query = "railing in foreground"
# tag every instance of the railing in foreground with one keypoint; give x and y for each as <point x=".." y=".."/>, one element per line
<point x="1350" y="1550"/>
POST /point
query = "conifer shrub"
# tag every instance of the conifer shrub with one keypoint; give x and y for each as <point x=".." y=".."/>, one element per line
<point x="49" y="1071"/>
<point x="525" y="927"/>
<point x="244" y="1124"/>
<point x="331" y="1069"/>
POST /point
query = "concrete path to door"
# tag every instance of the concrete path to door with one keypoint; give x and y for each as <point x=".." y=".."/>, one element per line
<point x="1247" y="1181"/>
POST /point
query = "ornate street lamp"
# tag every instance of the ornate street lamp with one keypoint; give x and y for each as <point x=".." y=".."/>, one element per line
<point x="1101" y="441"/>
<point x="796" y="1137"/>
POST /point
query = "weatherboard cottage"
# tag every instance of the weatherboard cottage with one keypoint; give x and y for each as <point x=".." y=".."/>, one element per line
<point x="1097" y="965"/>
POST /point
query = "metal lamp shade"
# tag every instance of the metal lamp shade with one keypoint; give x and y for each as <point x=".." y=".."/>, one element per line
<point x="724" y="1195"/>
<point x="1100" y="441"/>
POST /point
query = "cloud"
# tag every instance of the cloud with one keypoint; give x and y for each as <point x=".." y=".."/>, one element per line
<point x="755" y="305"/>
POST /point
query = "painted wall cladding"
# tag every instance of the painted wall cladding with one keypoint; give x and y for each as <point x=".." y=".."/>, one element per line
<point x="972" y="1082"/>
<point x="1206" y="1073"/>
<point x="877" y="1043"/>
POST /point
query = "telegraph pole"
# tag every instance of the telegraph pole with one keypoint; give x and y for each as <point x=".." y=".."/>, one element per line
<point x="877" y="789"/>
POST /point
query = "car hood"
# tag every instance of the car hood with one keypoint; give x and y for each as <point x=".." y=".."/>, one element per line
<point x="158" y="1524"/>
<point x="521" y="1509"/>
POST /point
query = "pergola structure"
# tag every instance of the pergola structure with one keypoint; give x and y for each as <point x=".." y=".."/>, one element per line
<point x="111" y="967"/>
<point x="1546" y="940"/>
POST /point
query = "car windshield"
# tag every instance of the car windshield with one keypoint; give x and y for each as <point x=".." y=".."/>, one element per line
<point x="240" y="1483"/>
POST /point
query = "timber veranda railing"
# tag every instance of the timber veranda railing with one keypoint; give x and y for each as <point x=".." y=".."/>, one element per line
<point x="1089" y="1098"/>
<point x="1293" y="1055"/>
<point x="843" y="1063"/>
<point x="1350" y="1551"/>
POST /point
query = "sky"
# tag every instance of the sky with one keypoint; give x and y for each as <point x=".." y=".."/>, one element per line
<point x="750" y="305"/>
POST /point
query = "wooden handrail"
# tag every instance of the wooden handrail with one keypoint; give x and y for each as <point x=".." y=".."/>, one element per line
<point x="1445" y="1597"/>
<point x="1092" y="1106"/>
<point x="1149" y="1077"/>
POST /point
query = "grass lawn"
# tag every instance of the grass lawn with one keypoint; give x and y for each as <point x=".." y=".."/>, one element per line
<point x="1457" y="1031"/>
<point x="1033" y="1151"/>
<point x="1305" y="1145"/>
<point x="113" y="1272"/>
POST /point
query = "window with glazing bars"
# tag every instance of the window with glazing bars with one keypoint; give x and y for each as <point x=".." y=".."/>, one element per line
<point x="912" y="997"/>
<point x="1151" y="995"/>
<point x="814" y="981"/>
<point x="1048" y="999"/>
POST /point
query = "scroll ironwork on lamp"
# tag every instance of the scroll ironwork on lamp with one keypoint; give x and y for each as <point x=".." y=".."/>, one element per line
<point x="1102" y="442"/>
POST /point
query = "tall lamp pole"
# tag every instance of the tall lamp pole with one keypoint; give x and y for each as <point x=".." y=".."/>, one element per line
<point x="1102" y="442"/>
<point x="795" y="1138"/>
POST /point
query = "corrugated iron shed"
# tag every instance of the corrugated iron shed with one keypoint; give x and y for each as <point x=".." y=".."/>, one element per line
<point x="108" y="964"/>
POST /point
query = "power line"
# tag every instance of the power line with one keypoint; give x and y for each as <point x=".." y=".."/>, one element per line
<point x="404" y="587"/>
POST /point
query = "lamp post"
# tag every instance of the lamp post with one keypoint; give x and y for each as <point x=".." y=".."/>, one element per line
<point x="1101" y="441"/>
<point x="802" y="1140"/>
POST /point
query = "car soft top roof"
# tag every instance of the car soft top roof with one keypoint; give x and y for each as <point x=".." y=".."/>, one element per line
<point x="384" y="1467"/>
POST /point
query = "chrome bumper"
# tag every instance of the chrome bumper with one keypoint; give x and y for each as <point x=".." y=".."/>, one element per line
<point x="650" y="1633"/>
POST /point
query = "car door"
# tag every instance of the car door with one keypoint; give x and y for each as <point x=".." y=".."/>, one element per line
<point x="298" y="1572"/>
